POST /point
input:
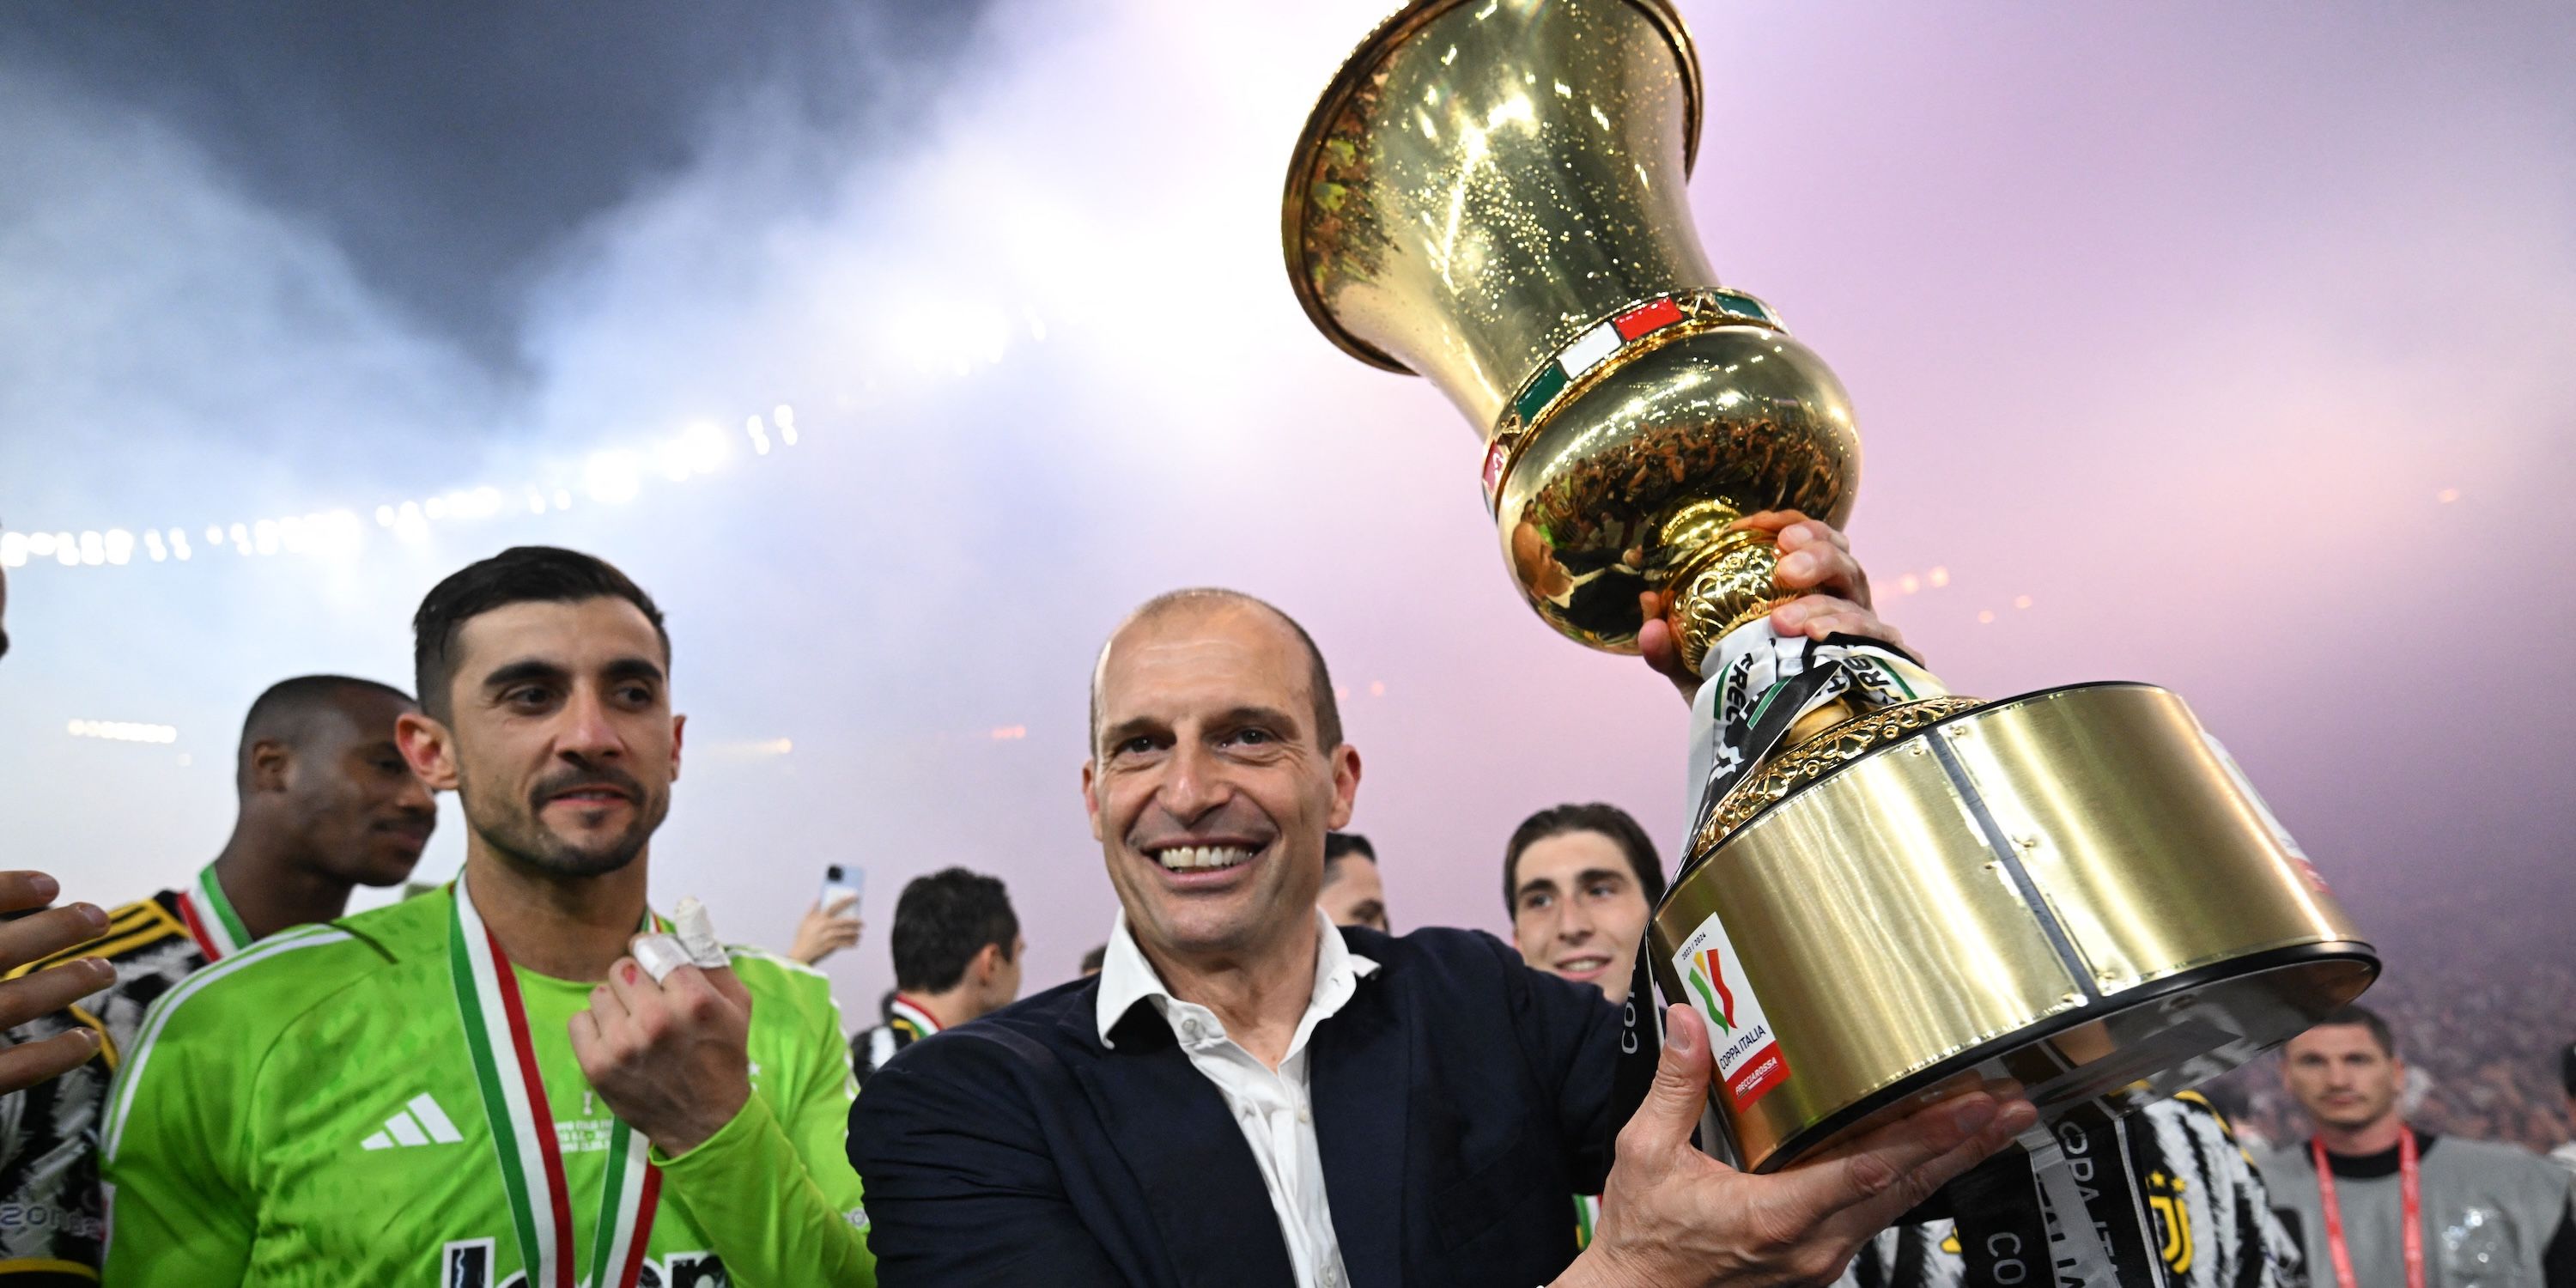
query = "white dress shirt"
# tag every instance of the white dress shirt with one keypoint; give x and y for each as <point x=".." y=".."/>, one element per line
<point x="1273" y="1108"/>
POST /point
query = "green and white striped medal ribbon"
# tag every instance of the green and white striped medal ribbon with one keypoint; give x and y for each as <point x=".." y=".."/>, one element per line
<point x="523" y="1131"/>
<point x="211" y="920"/>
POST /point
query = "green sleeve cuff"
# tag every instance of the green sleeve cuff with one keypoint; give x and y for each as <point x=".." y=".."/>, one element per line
<point x="753" y="1129"/>
<point x="757" y="1201"/>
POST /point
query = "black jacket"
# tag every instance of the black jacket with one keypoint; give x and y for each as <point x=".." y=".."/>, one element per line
<point x="1460" y="1102"/>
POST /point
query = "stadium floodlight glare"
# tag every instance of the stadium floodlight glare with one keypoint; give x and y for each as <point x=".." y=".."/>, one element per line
<point x="612" y="477"/>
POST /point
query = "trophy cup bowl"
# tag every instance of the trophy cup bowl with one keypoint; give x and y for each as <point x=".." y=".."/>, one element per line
<point x="2075" y="888"/>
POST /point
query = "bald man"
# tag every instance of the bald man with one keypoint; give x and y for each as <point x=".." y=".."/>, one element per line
<point x="327" y="804"/>
<point x="1246" y="1094"/>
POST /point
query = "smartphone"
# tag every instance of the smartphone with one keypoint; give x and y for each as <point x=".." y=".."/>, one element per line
<point x="842" y="886"/>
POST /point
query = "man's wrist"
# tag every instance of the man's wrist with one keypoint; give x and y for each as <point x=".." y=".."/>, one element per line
<point x="1590" y="1269"/>
<point x="1606" y="1265"/>
<point x="679" y="1138"/>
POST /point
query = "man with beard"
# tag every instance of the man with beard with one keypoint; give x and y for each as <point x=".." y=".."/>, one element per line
<point x="327" y="805"/>
<point x="1247" y="1095"/>
<point x="480" y="1087"/>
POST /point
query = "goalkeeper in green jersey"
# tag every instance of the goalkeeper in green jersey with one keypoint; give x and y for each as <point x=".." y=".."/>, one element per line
<point x="521" y="1081"/>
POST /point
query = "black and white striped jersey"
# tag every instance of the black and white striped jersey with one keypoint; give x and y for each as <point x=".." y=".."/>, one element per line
<point x="2215" y="1221"/>
<point x="52" y="1220"/>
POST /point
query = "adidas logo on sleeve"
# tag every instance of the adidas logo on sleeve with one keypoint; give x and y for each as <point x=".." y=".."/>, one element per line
<point x="421" y="1122"/>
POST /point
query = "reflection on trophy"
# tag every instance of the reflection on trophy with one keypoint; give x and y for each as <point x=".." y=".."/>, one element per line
<point x="1892" y="892"/>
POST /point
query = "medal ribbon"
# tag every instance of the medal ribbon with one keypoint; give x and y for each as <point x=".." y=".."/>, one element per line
<point x="2410" y="1202"/>
<point x="211" y="920"/>
<point x="915" y="1014"/>
<point x="523" y="1130"/>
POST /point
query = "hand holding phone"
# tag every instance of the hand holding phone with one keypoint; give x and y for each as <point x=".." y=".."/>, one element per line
<point x="833" y="923"/>
<point x="842" y="887"/>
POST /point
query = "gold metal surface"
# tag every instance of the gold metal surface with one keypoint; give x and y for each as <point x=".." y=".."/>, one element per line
<point x="2129" y="824"/>
<point x="1884" y="935"/>
<point x="1486" y="88"/>
<point x="1483" y="185"/>
<point x="1810" y="758"/>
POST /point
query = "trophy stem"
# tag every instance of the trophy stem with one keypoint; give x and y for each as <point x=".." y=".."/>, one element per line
<point x="1724" y="584"/>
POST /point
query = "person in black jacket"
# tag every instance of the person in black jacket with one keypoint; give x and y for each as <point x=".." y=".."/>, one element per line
<point x="1247" y="1096"/>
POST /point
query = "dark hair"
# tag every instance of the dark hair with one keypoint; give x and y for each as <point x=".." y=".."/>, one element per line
<point x="1610" y="821"/>
<point x="1328" y="709"/>
<point x="942" y="921"/>
<point x="283" y="710"/>
<point x="1342" y="845"/>
<point x="518" y="575"/>
<point x="1092" y="961"/>
<point x="2367" y="1018"/>
<point x="2567" y="1069"/>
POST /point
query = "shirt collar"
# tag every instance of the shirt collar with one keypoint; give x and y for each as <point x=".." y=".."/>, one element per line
<point x="1126" y="978"/>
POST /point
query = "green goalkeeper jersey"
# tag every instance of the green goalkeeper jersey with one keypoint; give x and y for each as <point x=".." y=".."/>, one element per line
<point x="309" y="1113"/>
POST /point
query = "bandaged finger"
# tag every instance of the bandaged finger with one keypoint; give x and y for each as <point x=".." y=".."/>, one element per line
<point x="697" y="935"/>
<point x="659" y="955"/>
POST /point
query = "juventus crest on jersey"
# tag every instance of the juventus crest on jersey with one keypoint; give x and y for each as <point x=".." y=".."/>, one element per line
<point x="2214" y="1223"/>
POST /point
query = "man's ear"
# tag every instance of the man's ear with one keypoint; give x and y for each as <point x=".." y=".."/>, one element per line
<point x="1346" y="784"/>
<point x="679" y="725"/>
<point x="1091" y="795"/>
<point x="429" y="748"/>
<point x="987" y="963"/>
<point x="271" y="762"/>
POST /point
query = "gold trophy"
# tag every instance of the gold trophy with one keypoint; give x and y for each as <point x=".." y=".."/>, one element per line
<point x="1905" y="891"/>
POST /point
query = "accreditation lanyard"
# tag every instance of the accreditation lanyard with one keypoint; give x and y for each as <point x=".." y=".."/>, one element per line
<point x="211" y="920"/>
<point x="523" y="1131"/>
<point x="2410" y="1202"/>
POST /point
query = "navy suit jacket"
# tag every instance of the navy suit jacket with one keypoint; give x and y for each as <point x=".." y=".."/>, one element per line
<point x="1461" y="1099"/>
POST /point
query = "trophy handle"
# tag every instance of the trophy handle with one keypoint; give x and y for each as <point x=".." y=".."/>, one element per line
<point x="1727" y="581"/>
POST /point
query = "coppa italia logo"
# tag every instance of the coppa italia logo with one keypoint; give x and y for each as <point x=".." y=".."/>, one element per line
<point x="1708" y="979"/>
<point x="1749" y="1063"/>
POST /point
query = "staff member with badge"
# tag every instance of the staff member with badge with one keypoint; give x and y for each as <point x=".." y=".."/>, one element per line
<point x="480" y="1086"/>
<point x="2378" y="1204"/>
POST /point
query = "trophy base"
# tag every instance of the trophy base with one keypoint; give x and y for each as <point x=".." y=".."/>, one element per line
<point x="2148" y="1044"/>
<point x="2073" y="889"/>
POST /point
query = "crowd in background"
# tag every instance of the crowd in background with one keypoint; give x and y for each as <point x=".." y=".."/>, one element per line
<point x="2484" y="1036"/>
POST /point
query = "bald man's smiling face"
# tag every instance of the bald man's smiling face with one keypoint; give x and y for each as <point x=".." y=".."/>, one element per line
<point x="1208" y="788"/>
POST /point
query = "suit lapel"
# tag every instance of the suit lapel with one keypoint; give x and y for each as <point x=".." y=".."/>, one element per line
<point x="1203" y="1191"/>
<point x="1358" y="1068"/>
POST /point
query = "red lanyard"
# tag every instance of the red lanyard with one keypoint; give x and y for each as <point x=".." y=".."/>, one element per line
<point x="2410" y="1200"/>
